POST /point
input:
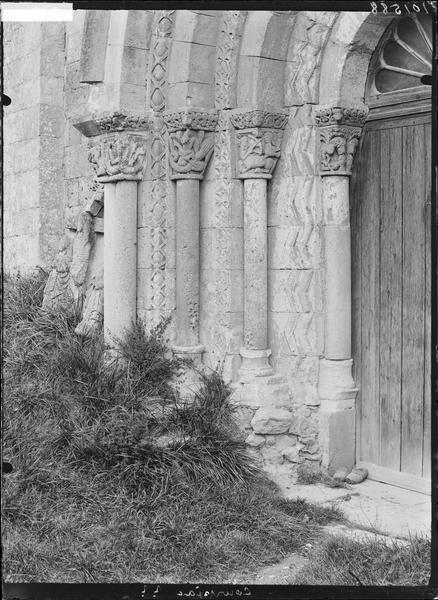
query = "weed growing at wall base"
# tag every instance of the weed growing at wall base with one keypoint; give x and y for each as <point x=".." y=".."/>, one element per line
<point x="116" y="479"/>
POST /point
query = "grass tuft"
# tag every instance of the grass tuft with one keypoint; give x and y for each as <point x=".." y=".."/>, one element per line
<point x="341" y="561"/>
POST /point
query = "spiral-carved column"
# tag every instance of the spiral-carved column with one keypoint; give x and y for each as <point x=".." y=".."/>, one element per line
<point x="258" y="139"/>
<point x="190" y="146"/>
<point x="339" y="131"/>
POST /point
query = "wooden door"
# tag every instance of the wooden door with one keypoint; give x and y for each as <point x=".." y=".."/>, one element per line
<point x="390" y="204"/>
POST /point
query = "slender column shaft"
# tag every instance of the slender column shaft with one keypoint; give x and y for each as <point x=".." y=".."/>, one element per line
<point x="187" y="262"/>
<point x="255" y="264"/>
<point x="120" y="257"/>
<point x="338" y="266"/>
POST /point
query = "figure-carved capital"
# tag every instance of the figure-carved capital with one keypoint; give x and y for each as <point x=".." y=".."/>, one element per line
<point x="339" y="133"/>
<point x="337" y="149"/>
<point x="191" y="141"/>
<point x="118" y="157"/>
<point x="189" y="153"/>
<point x="258" y="138"/>
<point x="258" y="150"/>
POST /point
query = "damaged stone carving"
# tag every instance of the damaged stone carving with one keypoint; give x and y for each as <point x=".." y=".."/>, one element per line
<point x="68" y="284"/>
<point x="118" y="157"/>
<point x="339" y="131"/>
<point x="258" y="141"/>
<point x="57" y="292"/>
<point x="92" y="313"/>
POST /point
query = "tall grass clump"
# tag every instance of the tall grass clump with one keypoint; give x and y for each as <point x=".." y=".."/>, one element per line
<point x="342" y="561"/>
<point x="115" y="477"/>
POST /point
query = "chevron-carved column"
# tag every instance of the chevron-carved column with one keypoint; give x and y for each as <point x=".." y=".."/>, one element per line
<point x="117" y="153"/>
<point x="258" y="139"/>
<point x="339" y="131"/>
<point x="190" y="146"/>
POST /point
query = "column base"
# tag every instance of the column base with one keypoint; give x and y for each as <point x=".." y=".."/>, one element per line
<point x="337" y="414"/>
<point x="255" y="364"/>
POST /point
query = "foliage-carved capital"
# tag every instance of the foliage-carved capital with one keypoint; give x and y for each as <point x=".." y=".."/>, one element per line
<point x="118" y="157"/>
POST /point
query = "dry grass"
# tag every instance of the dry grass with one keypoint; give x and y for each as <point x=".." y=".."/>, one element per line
<point x="340" y="561"/>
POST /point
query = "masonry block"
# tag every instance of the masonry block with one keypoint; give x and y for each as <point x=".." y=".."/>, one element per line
<point x="271" y="421"/>
<point x="294" y="247"/>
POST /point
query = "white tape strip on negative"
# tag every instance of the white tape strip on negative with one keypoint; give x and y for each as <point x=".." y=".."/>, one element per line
<point x="36" y="11"/>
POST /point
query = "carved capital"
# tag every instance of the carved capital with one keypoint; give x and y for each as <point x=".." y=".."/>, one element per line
<point x="337" y="149"/>
<point x="258" y="150"/>
<point x="258" y="138"/>
<point x="339" y="132"/>
<point x="189" y="153"/>
<point x="191" y="141"/>
<point x="118" y="157"/>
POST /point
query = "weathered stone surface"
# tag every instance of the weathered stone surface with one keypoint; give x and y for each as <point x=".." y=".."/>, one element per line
<point x="271" y="455"/>
<point x="254" y="440"/>
<point x="292" y="454"/>
<point x="271" y="421"/>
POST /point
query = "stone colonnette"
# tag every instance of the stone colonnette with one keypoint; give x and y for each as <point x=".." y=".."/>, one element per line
<point x="117" y="153"/>
<point x="339" y="130"/>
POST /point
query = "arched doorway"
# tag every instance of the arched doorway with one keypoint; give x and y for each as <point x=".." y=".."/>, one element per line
<point x="390" y="218"/>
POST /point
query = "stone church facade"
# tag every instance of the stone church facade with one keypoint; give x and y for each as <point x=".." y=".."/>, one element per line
<point x="201" y="164"/>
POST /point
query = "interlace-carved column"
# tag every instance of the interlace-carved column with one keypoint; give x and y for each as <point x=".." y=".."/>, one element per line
<point x="339" y="131"/>
<point x="258" y="141"/>
<point x="190" y="146"/>
<point x="117" y="153"/>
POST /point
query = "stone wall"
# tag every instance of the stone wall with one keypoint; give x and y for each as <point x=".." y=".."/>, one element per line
<point x="34" y="57"/>
<point x="78" y="175"/>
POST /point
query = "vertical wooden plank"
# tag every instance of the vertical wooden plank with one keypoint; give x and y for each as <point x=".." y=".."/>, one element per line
<point x="390" y="296"/>
<point x="369" y="397"/>
<point x="413" y="300"/>
<point x="427" y="318"/>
